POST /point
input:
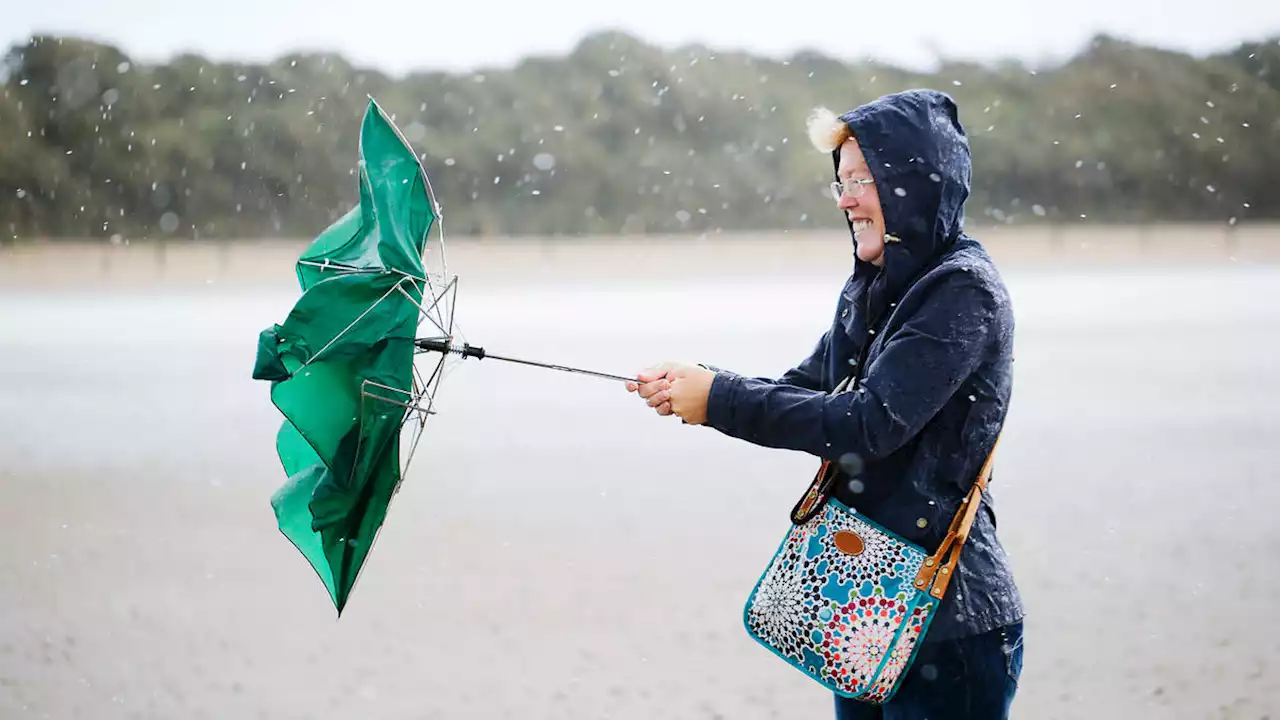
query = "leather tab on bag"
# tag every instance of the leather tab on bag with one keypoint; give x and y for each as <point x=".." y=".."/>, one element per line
<point x="848" y="542"/>
<point x="815" y="496"/>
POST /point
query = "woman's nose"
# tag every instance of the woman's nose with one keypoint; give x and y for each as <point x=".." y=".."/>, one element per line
<point x="847" y="202"/>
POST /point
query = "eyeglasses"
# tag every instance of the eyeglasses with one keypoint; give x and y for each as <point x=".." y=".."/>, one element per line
<point x="852" y="188"/>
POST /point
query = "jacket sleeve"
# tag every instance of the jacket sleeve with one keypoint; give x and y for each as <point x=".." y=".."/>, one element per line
<point x="916" y="373"/>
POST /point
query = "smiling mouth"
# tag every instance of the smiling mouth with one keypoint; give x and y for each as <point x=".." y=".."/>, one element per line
<point x="860" y="225"/>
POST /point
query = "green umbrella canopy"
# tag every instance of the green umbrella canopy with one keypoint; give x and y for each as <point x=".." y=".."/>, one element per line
<point x="341" y="364"/>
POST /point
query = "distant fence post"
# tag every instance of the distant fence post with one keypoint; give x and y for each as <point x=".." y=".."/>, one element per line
<point x="161" y="256"/>
<point x="1231" y="240"/>
<point x="1056" y="239"/>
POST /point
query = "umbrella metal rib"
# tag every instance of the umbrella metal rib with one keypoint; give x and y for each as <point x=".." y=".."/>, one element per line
<point x="467" y="350"/>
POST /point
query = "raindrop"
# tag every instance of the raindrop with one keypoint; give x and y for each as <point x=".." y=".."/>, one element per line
<point x="851" y="464"/>
<point x="169" y="222"/>
<point x="559" y="128"/>
<point x="957" y="83"/>
<point x="683" y="216"/>
<point x="900" y="192"/>
<point x="1038" y="210"/>
<point x="856" y="487"/>
<point x="1079" y="163"/>
<point x="111" y="97"/>
<point x="123" y="67"/>
<point x="544" y="161"/>
<point x="973" y="398"/>
<point x="497" y="179"/>
<point x="935" y="177"/>
<point x="1210" y="188"/>
<point x="1208" y="103"/>
<point x="450" y="161"/>
<point x="929" y="672"/>
<point x="21" y="193"/>
<point x="922" y="523"/>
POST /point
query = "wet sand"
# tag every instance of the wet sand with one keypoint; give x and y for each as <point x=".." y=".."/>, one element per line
<point x="558" y="551"/>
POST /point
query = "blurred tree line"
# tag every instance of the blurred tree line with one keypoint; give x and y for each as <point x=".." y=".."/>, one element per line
<point x="617" y="136"/>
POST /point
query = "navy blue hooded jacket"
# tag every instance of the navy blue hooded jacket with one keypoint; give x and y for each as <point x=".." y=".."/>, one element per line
<point x="937" y="325"/>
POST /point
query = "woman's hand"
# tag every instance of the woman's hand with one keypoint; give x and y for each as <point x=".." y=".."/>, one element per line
<point x="676" y="389"/>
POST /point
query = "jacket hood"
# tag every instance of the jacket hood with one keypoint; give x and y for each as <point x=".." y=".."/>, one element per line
<point x="918" y="154"/>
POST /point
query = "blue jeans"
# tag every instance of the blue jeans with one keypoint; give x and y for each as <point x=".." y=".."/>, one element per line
<point x="972" y="678"/>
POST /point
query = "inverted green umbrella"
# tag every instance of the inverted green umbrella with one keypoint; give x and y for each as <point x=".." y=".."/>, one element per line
<point x="341" y="365"/>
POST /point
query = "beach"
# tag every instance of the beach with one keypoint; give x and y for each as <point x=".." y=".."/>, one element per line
<point x="559" y="551"/>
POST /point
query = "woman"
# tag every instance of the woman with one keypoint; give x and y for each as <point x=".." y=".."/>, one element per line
<point x="927" y="306"/>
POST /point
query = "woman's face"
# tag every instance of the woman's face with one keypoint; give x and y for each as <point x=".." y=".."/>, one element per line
<point x="861" y="203"/>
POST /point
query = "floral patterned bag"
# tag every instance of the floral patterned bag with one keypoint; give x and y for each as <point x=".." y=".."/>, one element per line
<point x="846" y="601"/>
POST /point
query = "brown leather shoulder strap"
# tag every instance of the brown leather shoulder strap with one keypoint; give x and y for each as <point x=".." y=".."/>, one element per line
<point x="935" y="566"/>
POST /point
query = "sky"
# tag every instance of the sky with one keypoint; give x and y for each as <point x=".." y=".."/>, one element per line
<point x="398" y="36"/>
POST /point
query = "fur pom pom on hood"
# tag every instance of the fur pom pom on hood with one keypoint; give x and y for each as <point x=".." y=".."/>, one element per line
<point x="826" y="130"/>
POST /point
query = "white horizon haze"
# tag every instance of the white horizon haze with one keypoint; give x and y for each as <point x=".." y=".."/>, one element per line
<point x="398" y="37"/>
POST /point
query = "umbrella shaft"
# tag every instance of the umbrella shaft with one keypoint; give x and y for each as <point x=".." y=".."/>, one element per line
<point x="562" y="368"/>
<point x="468" y="350"/>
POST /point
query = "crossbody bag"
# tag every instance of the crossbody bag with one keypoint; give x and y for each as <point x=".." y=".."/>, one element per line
<point x="845" y="600"/>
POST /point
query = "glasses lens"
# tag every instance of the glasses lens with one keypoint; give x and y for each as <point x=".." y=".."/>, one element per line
<point x="852" y="188"/>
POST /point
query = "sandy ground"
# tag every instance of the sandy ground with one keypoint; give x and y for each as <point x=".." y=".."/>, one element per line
<point x="183" y="264"/>
<point x="559" y="552"/>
